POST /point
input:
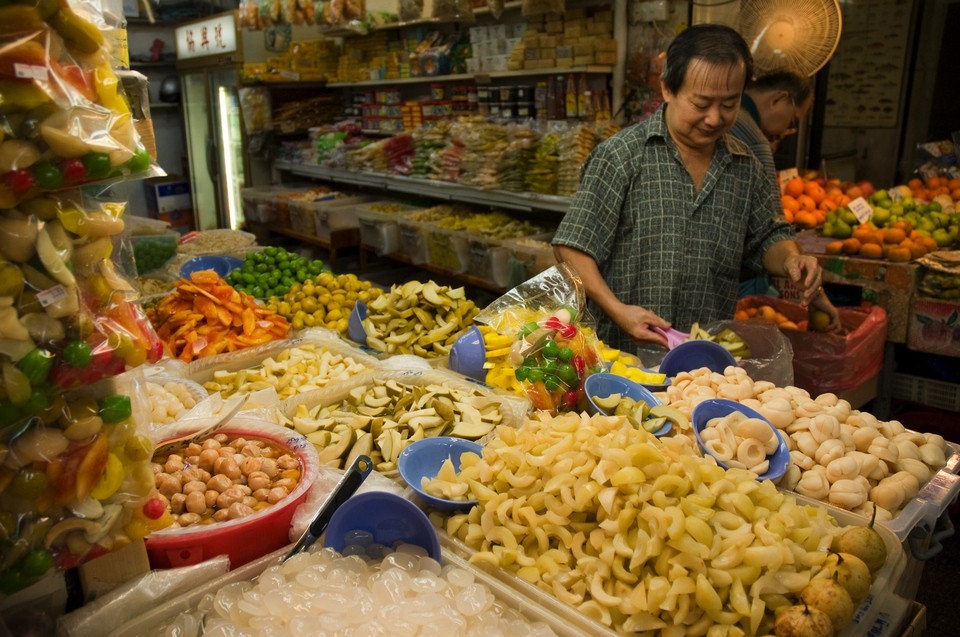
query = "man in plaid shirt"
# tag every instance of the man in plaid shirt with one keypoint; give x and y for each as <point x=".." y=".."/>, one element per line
<point x="670" y="209"/>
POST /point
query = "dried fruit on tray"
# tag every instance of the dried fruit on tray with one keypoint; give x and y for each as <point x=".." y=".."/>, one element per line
<point x="205" y="316"/>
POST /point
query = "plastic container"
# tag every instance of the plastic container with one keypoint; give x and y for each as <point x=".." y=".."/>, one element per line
<point x="389" y="517"/>
<point x="519" y="261"/>
<point x="695" y="354"/>
<point x="247" y="538"/>
<point x="480" y="254"/>
<point x="254" y="200"/>
<point x="378" y="227"/>
<point x="337" y="214"/>
<point x="413" y="241"/>
<point x="446" y="249"/>
<point x="152" y="252"/>
<point x="468" y="354"/>
<point x="221" y="265"/>
<point x="424" y="458"/>
<point x="712" y="408"/>
<point x="603" y="385"/>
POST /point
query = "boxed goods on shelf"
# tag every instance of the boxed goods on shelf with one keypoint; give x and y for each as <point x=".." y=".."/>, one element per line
<point x="277" y="205"/>
<point x="378" y="225"/>
<point x="934" y="326"/>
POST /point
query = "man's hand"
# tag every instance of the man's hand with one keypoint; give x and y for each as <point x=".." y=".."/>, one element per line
<point x="639" y="322"/>
<point x="822" y="303"/>
<point x="804" y="270"/>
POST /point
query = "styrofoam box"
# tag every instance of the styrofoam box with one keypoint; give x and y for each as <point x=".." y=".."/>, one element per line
<point x="379" y="230"/>
<point x="884" y="581"/>
<point x="338" y="214"/>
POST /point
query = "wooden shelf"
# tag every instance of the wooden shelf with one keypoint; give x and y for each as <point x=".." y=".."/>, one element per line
<point x="480" y="78"/>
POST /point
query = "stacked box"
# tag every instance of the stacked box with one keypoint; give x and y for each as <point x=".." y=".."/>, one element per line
<point x="581" y="38"/>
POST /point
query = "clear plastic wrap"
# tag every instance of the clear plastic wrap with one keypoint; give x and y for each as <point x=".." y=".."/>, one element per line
<point x="555" y="346"/>
<point x="255" y="107"/>
<point x="65" y="120"/>
<point x="341" y="13"/>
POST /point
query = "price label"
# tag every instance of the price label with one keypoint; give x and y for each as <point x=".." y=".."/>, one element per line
<point x="293" y="76"/>
<point x="482" y="78"/>
<point x="861" y="209"/>
<point x="52" y="295"/>
<point x="30" y="71"/>
<point x="895" y="194"/>
<point x="786" y="175"/>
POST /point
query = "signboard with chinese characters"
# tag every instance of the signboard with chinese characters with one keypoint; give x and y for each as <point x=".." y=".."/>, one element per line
<point x="214" y="36"/>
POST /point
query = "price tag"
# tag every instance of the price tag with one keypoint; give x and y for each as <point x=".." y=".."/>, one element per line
<point x="895" y="194"/>
<point x="293" y="76"/>
<point x="52" y="295"/>
<point x="482" y="78"/>
<point x="861" y="209"/>
<point x="786" y="175"/>
<point x="30" y="71"/>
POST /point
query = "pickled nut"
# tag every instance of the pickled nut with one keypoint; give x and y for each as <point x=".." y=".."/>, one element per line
<point x="207" y="457"/>
<point x="192" y="473"/>
<point x="251" y="465"/>
<point x="196" y="502"/>
<point x="227" y="467"/>
<point x="177" y="503"/>
<point x="187" y="519"/>
<point x="269" y="467"/>
<point x="221" y="515"/>
<point x="193" y="449"/>
<point x="210" y="496"/>
<point x="221" y="438"/>
<point x="287" y="461"/>
<point x="276" y="494"/>
<point x="250" y="501"/>
<point x="287" y="483"/>
<point x="251" y="450"/>
<point x="258" y="480"/>
<point x="195" y="485"/>
<point x="238" y="510"/>
<point x="261" y="494"/>
<point x="219" y="483"/>
<point x="174" y="463"/>
<point x="211" y="443"/>
<point x="168" y="485"/>
<point x="229" y="496"/>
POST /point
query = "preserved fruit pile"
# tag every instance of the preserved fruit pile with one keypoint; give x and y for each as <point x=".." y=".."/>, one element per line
<point x="639" y="534"/>
<point x="272" y="272"/>
<point x="323" y="301"/>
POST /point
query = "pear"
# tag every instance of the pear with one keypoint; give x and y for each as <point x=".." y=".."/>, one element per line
<point x="830" y="597"/>
<point x="802" y="621"/>
<point x="866" y="543"/>
<point x="851" y="572"/>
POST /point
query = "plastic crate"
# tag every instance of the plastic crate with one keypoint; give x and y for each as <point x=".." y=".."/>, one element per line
<point x="446" y="249"/>
<point x="519" y="262"/>
<point x="926" y="391"/>
<point x="255" y="201"/>
<point x="412" y="237"/>
<point x="480" y="254"/>
<point x="336" y="214"/>
<point x="378" y="228"/>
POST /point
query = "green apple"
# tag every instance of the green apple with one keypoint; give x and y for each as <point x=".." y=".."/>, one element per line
<point x="942" y="237"/>
<point x="881" y="216"/>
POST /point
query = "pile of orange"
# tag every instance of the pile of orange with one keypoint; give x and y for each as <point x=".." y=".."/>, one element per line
<point x="899" y="243"/>
<point x="931" y="187"/>
<point x="770" y="315"/>
<point x="806" y="202"/>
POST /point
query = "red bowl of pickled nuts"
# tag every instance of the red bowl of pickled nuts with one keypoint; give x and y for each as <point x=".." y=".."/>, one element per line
<point x="232" y="492"/>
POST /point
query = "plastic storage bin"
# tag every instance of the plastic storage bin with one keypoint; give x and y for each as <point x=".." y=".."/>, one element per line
<point x="481" y="253"/>
<point x="522" y="259"/>
<point x="378" y="225"/>
<point x="330" y="215"/>
<point x="446" y="249"/>
<point x="254" y="201"/>
<point x="412" y="241"/>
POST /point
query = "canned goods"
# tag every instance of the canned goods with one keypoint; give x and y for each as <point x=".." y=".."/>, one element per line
<point x="483" y="95"/>
<point x="525" y="110"/>
<point x="436" y="91"/>
<point x="508" y="93"/>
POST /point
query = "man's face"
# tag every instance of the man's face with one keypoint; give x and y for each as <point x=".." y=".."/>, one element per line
<point x="781" y="116"/>
<point x="706" y="105"/>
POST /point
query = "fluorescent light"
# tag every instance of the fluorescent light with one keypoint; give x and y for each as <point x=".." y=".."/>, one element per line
<point x="226" y="152"/>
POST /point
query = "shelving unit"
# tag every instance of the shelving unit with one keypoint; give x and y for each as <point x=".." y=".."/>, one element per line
<point x="479" y="78"/>
<point x="441" y="190"/>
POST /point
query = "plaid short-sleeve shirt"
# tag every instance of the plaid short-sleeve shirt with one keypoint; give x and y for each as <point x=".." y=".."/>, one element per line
<point x="658" y="242"/>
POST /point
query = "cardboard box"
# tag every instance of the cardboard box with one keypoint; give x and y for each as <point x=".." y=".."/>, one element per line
<point x="582" y="60"/>
<point x="605" y="57"/>
<point x="934" y="326"/>
<point x="169" y="199"/>
<point x="548" y="54"/>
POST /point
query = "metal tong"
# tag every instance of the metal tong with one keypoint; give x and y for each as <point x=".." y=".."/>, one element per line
<point x="346" y="487"/>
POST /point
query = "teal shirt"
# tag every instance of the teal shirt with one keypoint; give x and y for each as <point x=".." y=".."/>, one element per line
<point x="658" y="242"/>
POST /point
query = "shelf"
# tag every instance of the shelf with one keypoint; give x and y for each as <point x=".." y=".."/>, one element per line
<point x="431" y="189"/>
<point x="163" y="64"/>
<point x="480" y="78"/>
<point x="340" y="32"/>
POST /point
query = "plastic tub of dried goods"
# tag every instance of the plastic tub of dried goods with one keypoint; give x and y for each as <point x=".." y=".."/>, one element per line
<point x="246" y="538"/>
<point x="523" y="259"/>
<point x="413" y="240"/>
<point x="252" y="199"/>
<point x="378" y="225"/>
<point x="480" y="254"/>
<point x="337" y="214"/>
<point x="446" y="249"/>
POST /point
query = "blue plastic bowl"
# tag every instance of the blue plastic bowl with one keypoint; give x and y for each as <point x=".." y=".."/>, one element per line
<point x="604" y="384"/>
<point x="468" y="354"/>
<point x="720" y="407"/>
<point x="219" y="264"/>
<point x="692" y="355"/>
<point x="423" y="458"/>
<point x="355" y="328"/>
<point x="390" y="518"/>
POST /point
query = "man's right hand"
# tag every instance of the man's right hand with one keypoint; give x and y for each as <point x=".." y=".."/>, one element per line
<point x="639" y="322"/>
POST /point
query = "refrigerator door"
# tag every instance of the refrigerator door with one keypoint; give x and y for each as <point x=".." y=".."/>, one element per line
<point x="228" y="145"/>
<point x="196" y="113"/>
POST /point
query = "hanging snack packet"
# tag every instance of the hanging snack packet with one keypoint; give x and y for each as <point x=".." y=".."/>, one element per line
<point x="555" y="346"/>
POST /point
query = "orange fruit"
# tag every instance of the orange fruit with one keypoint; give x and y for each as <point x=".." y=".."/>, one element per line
<point x="836" y="247"/>
<point x="740" y="315"/>
<point x="898" y="254"/>
<point x="828" y="205"/>
<point x="851" y="246"/>
<point x="871" y="250"/>
<point x="819" y="321"/>
<point x="914" y="183"/>
<point x="794" y="187"/>
<point x="752" y="311"/>
<point x="844" y="200"/>
<point x="788" y="325"/>
<point x="917" y="249"/>
<point x="853" y="192"/>
<point x="904" y="225"/>
<point x="954" y="183"/>
<point x="767" y="313"/>
<point x="815" y="191"/>
<point x="930" y="244"/>
<point x="805" y="219"/>
<point x="790" y="203"/>
<point x="894" y="235"/>
<point x="806" y="202"/>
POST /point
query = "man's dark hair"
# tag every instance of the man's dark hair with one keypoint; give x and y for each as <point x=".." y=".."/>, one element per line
<point x="713" y="43"/>
<point x="797" y="86"/>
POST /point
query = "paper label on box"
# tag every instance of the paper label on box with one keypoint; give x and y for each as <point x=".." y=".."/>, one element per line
<point x="52" y="295"/>
<point x="861" y="209"/>
<point x="786" y="175"/>
<point x="895" y="195"/>
<point x="293" y="76"/>
<point x="30" y="71"/>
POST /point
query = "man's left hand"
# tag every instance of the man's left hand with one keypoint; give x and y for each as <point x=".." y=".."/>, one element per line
<point x="804" y="270"/>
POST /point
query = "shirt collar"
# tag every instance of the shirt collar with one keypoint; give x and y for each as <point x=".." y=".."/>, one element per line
<point x="747" y="104"/>
<point x="657" y="127"/>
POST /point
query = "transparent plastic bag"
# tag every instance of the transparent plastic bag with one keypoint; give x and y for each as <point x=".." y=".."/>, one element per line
<point x="556" y="346"/>
<point x="771" y="354"/>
